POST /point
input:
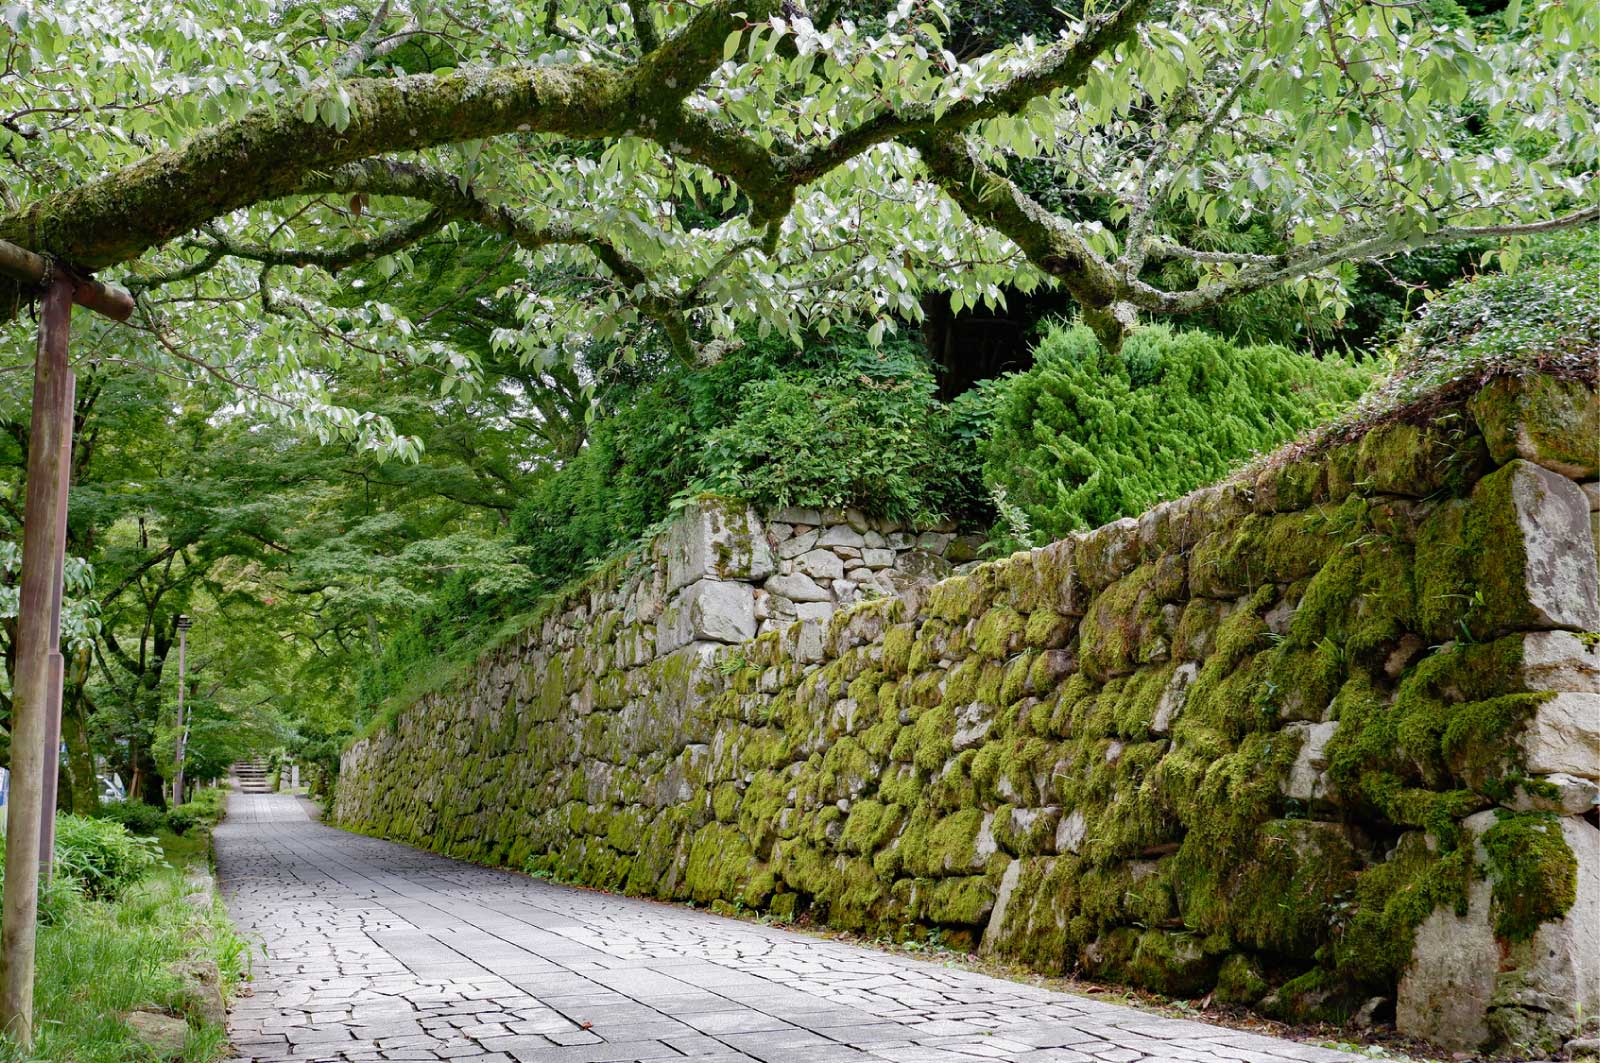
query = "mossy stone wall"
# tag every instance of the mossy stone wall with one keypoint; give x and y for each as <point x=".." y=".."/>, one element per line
<point x="1306" y="739"/>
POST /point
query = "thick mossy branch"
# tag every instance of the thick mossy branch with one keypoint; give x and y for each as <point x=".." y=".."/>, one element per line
<point x="270" y="152"/>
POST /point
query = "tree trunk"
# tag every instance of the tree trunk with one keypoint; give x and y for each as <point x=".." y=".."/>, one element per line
<point x="149" y="787"/>
<point x="81" y="794"/>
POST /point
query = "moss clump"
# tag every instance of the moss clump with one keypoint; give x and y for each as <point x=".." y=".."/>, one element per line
<point x="1222" y="800"/>
<point x="869" y="826"/>
<point x="1453" y="716"/>
<point x="1533" y="872"/>
<point x="1362" y="600"/>
<point x="956" y="599"/>
<point x="1390" y="901"/>
<point x="963" y="901"/>
<point x="1123" y="627"/>
<point x="999" y="633"/>
<point x="1240" y="981"/>
<point x="949" y="845"/>
<point x="1047" y="629"/>
<point x="897" y="643"/>
<point x="1278" y="901"/>
<point x="1173" y="963"/>
<point x="1319" y="995"/>
<point x="1367" y="765"/>
<point x="1542" y="418"/>
<point x="1472" y="564"/>
<point x="1300" y="684"/>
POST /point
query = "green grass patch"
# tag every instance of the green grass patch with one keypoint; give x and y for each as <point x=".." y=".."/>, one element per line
<point x="101" y="958"/>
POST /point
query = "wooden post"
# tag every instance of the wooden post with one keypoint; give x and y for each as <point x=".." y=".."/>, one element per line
<point x="58" y="663"/>
<point x="51" y="421"/>
<point x="183" y="725"/>
<point x="36" y="695"/>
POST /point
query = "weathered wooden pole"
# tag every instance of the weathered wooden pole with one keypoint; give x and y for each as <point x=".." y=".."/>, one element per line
<point x="36" y="694"/>
<point x="58" y="663"/>
<point x="30" y="699"/>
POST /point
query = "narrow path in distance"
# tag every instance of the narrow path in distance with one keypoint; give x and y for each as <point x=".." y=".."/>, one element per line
<point x="375" y="951"/>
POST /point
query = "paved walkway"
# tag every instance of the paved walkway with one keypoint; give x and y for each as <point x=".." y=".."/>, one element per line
<point x="377" y="951"/>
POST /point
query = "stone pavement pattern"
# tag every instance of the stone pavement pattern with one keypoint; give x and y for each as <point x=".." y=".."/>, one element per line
<point x="376" y="951"/>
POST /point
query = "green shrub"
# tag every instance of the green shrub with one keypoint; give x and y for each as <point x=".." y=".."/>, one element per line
<point x="212" y="802"/>
<point x="1544" y="317"/>
<point x="183" y="817"/>
<point x="102" y="856"/>
<point x="834" y="423"/>
<point x="1086" y="437"/>
<point x="137" y="816"/>
<point x="864" y="429"/>
<point x="204" y="809"/>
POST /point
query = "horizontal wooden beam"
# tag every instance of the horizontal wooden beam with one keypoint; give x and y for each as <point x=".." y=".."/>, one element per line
<point x="30" y="269"/>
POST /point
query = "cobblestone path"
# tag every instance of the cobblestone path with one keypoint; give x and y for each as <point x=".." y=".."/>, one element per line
<point x="376" y="951"/>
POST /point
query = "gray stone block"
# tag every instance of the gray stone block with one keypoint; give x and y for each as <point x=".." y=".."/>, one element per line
<point x="714" y="539"/>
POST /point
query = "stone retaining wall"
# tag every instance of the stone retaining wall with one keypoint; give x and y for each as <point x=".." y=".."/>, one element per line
<point x="1322" y="740"/>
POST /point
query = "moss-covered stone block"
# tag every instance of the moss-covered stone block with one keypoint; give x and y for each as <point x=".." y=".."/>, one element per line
<point x="1240" y="981"/>
<point x="1400" y="458"/>
<point x="1105" y="555"/>
<point x="1125" y="626"/>
<point x="1516" y="555"/>
<point x="1291" y="485"/>
<point x="1550" y="421"/>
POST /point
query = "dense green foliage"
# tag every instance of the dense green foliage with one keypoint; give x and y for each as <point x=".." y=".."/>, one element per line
<point x="853" y="427"/>
<point x="1086" y="437"/>
<point x="204" y="809"/>
<point x="94" y="858"/>
<point x="832" y="423"/>
<point x="133" y="814"/>
<point x="1548" y="309"/>
<point x="1542" y="317"/>
<point x="104" y="858"/>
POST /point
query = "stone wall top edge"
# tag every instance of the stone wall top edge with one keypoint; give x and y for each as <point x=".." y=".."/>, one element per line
<point x="1390" y="458"/>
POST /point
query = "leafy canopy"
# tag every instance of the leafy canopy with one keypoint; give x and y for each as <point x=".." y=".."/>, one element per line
<point x="662" y="174"/>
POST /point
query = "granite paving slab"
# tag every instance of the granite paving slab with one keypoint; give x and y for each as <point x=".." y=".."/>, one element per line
<point x="376" y="952"/>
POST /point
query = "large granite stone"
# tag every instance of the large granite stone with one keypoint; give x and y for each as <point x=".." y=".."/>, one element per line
<point x="716" y="539"/>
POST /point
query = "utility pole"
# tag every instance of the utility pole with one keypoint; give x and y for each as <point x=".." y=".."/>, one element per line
<point x="36" y="696"/>
<point x="183" y="728"/>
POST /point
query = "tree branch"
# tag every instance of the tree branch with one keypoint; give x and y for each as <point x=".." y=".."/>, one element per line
<point x="356" y="56"/>
<point x="452" y="199"/>
<point x="268" y="152"/>
<point x="1064" y="65"/>
<point x="330" y="259"/>
<point x="644" y="25"/>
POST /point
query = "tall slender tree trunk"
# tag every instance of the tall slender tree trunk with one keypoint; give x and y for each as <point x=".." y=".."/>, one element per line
<point x="81" y="794"/>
